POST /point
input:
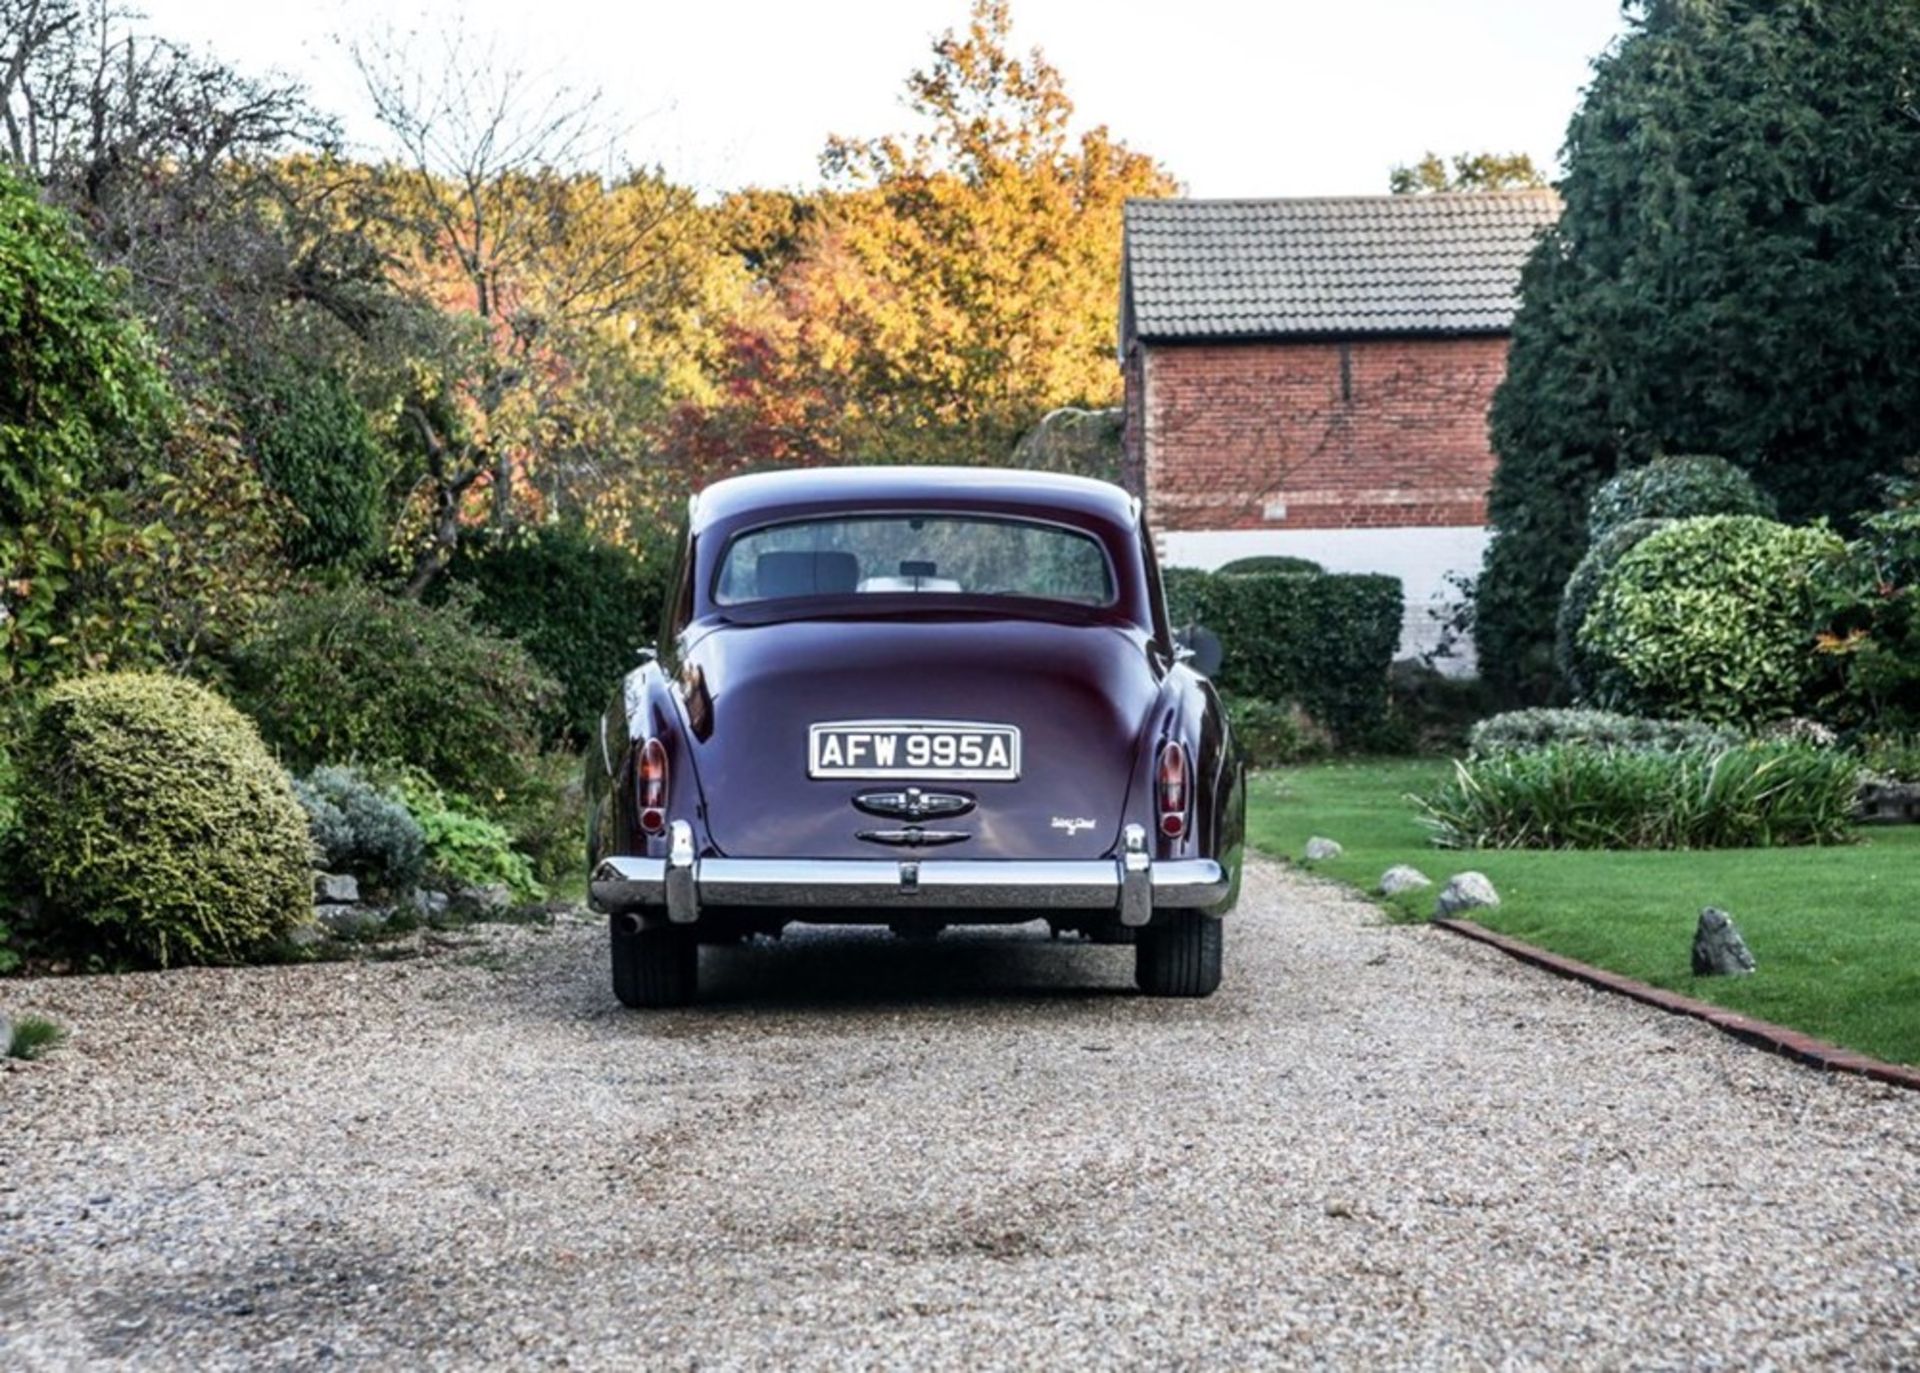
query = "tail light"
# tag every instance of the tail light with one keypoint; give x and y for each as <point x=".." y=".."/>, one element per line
<point x="1173" y="787"/>
<point x="650" y="782"/>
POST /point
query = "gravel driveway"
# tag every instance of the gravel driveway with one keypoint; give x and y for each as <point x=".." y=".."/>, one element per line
<point x="1377" y="1144"/>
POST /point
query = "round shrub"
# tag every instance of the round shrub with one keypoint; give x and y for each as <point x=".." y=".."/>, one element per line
<point x="1578" y="666"/>
<point x="355" y="674"/>
<point x="580" y="605"/>
<point x="158" y="824"/>
<point x="1675" y="488"/>
<point x="1269" y="565"/>
<point x="1711" y="619"/>
<point x="360" y="829"/>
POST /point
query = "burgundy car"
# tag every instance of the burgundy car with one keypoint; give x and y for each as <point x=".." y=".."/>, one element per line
<point x="915" y="697"/>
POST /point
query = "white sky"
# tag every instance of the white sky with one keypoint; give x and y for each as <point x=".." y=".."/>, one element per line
<point x="1288" y="97"/>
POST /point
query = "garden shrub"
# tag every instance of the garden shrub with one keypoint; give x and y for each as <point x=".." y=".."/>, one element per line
<point x="158" y="826"/>
<point x="1870" y="610"/>
<point x="354" y="674"/>
<point x="1895" y="757"/>
<point x="1580" y="668"/>
<point x="1709" y="619"/>
<point x="1272" y="733"/>
<point x="358" y="828"/>
<point x="579" y="605"/>
<point x="1541" y="728"/>
<point x="462" y="847"/>
<point x="1675" y="488"/>
<point x="1269" y="564"/>
<point x="1322" y="641"/>
<point x="1571" y="796"/>
<point x="83" y="408"/>
<point x="317" y="449"/>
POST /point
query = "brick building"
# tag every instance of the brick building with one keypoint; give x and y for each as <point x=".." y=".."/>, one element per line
<point x="1313" y="377"/>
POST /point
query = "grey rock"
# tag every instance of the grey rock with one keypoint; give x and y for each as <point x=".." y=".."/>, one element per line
<point x="6" y="1036"/>
<point x="1466" y="891"/>
<point x="1402" y="878"/>
<point x="1319" y="848"/>
<point x="430" y="905"/>
<point x="349" y="922"/>
<point x="481" y="903"/>
<point x="1718" y="949"/>
<point x="335" y="889"/>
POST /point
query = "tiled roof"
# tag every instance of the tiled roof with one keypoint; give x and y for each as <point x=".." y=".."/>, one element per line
<point x="1226" y="269"/>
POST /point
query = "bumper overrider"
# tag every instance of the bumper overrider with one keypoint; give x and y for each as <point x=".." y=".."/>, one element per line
<point x="1132" y="885"/>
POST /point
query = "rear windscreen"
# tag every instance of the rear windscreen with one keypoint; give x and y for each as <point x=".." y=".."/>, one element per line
<point x="957" y="555"/>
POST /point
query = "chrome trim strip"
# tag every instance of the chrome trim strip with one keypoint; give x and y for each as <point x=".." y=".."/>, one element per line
<point x="1186" y="883"/>
<point x="629" y="883"/>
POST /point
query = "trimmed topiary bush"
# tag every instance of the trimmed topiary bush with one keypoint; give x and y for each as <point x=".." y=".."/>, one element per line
<point x="579" y="605"/>
<point x="158" y="826"/>
<point x="1579" y="667"/>
<point x="358" y="828"/>
<point x="1323" y="641"/>
<point x="1711" y="619"/>
<point x="1675" y="488"/>
<point x="1570" y="796"/>
<point x="1269" y="564"/>
<point x="356" y="674"/>
<point x="1531" y="729"/>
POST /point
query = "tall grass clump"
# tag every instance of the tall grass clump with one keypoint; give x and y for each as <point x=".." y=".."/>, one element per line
<point x="1567" y="796"/>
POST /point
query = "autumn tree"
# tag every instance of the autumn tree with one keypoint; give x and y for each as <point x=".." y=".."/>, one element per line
<point x="1433" y="175"/>
<point x="958" y="282"/>
<point x="511" y="216"/>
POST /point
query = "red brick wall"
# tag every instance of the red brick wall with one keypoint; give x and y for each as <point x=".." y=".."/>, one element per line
<point x="1373" y="433"/>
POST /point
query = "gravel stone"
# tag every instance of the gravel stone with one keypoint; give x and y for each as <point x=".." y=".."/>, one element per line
<point x="1319" y="849"/>
<point x="1402" y="878"/>
<point x="1465" y="891"/>
<point x="982" y="1152"/>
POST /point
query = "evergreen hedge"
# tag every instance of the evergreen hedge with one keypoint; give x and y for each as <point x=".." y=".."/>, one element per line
<point x="1324" y="642"/>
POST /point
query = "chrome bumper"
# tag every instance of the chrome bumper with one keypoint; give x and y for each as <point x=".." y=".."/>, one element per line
<point x="1132" y="886"/>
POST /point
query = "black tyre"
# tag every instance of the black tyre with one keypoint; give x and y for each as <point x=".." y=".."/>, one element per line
<point x="1179" y="956"/>
<point x="656" y="967"/>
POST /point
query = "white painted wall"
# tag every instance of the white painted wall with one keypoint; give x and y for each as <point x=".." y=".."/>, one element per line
<point x="1422" y="559"/>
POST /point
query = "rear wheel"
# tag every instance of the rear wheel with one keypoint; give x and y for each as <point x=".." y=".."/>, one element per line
<point x="655" y="967"/>
<point x="1180" y="956"/>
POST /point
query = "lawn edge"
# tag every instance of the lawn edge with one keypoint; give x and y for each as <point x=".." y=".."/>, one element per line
<point x="1764" y="1034"/>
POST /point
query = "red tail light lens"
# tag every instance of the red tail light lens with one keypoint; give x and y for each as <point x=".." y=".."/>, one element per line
<point x="651" y="784"/>
<point x="1173" y="788"/>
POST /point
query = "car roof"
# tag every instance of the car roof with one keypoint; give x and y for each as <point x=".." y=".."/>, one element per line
<point x="998" y="490"/>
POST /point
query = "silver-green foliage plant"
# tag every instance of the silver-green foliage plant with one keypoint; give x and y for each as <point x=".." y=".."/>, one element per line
<point x="158" y="826"/>
<point x="361" y="829"/>
<point x="1710" y="619"/>
<point x="1542" y="728"/>
<point x="1573" y="796"/>
<point x="1675" y="488"/>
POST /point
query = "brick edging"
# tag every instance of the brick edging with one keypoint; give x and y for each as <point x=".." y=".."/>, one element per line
<point x="1764" y="1034"/>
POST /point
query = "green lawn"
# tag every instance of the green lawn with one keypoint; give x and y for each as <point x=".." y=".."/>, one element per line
<point x="1836" y="931"/>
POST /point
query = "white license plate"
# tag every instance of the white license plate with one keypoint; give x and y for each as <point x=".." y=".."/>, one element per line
<point x="936" y="750"/>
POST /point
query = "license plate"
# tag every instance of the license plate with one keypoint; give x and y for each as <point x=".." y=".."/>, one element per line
<point x="935" y="750"/>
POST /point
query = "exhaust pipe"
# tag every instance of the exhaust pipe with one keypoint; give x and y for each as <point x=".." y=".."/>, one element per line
<point x="630" y="923"/>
